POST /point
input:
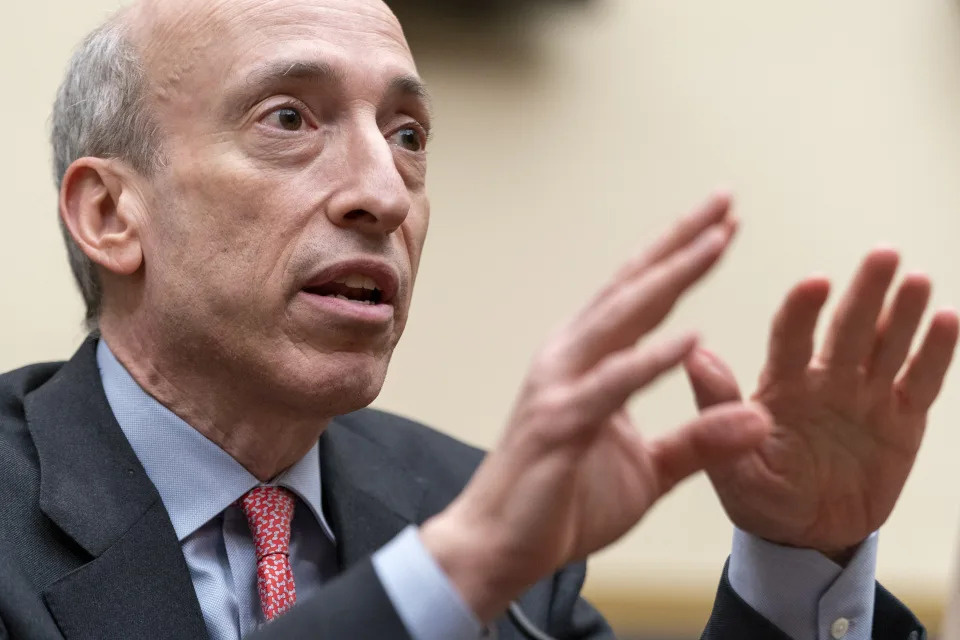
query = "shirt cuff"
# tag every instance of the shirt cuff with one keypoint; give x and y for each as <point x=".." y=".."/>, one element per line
<point x="804" y="593"/>
<point x="426" y="601"/>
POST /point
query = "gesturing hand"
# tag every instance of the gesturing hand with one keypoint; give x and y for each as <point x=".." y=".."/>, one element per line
<point x="572" y="474"/>
<point x="847" y="427"/>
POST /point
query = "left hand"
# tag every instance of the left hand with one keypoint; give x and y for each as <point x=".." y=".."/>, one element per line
<point x="847" y="428"/>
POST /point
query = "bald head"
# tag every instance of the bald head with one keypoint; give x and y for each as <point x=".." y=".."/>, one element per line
<point x="183" y="42"/>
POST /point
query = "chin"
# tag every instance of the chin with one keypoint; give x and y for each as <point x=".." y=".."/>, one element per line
<point x="339" y="383"/>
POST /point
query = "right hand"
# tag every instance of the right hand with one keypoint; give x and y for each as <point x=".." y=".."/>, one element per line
<point x="572" y="474"/>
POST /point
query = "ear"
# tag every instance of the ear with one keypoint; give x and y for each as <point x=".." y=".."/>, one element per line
<point x="99" y="207"/>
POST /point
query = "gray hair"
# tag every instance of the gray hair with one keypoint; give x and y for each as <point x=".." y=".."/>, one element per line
<point x="101" y="111"/>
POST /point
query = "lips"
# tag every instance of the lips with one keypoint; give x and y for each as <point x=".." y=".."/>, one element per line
<point x="364" y="282"/>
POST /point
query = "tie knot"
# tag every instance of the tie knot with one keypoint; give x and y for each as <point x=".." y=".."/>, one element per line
<point x="269" y="511"/>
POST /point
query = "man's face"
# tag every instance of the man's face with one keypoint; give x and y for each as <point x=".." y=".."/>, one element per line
<point x="282" y="239"/>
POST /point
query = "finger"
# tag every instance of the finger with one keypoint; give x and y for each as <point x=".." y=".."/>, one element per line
<point x="712" y="380"/>
<point x="853" y="330"/>
<point x="718" y="436"/>
<point x="792" y="335"/>
<point x="620" y="319"/>
<point x="923" y="378"/>
<point x="714" y="211"/>
<point x="609" y="385"/>
<point x="897" y="326"/>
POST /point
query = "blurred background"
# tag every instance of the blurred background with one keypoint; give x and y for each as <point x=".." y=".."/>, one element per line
<point x="569" y="132"/>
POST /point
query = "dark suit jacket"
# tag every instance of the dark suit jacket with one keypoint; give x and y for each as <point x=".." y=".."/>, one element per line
<point x="87" y="549"/>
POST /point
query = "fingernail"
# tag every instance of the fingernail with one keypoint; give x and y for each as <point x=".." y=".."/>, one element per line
<point x="715" y="237"/>
<point x="724" y="192"/>
<point x="709" y="362"/>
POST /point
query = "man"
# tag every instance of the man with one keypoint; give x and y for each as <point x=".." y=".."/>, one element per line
<point x="242" y="186"/>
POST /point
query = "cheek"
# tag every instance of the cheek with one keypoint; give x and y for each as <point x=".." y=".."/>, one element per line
<point x="415" y="233"/>
<point x="220" y="234"/>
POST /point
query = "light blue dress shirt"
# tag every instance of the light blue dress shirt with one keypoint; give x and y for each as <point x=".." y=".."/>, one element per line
<point x="802" y="592"/>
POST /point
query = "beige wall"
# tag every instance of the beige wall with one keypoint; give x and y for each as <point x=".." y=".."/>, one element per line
<point x="837" y="123"/>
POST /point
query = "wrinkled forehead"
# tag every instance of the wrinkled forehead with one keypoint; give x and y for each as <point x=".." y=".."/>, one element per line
<point x="192" y="45"/>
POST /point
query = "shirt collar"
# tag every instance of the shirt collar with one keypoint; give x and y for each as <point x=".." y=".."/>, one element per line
<point x="196" y="479"/>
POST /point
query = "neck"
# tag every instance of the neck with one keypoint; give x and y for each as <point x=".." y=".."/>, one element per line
<point x="264" y="436"/>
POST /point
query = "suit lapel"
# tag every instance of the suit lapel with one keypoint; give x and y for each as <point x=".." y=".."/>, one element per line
<point x="368" y="495"/>
<point x="94" y="488"/>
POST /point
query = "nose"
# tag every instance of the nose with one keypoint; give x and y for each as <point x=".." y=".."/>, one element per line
<point x="373" y="197"/>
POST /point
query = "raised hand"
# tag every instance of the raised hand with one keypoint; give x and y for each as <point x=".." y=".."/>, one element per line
<point x="848" y="421"/>
<point x="572" y="473"/>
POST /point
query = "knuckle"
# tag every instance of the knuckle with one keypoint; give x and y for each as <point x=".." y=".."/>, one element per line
<point x="660" y="357"/>
<point x="554" y="404"/>
<point x="551" y="362"/>
<point x="546" y="360"/>
<point x="552" y="417"/>
<point x="622" y="303"/>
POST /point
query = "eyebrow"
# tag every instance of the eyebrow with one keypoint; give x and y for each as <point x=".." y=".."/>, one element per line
<point x="413" y="87"/>
<point x="319" y="73"/>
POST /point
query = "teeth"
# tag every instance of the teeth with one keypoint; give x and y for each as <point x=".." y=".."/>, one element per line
<point x="342" y="297"/>
<point x="357" y="281"/>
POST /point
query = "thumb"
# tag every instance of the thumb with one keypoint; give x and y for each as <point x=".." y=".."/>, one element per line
<point x="712" y="381"/>
<point x="719" y="435"/>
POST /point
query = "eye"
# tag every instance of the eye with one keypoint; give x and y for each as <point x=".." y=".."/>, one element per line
<point x="286" y="118"/>
<point x="409" y="138"/>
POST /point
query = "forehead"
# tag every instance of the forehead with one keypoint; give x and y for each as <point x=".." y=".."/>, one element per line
<point x="190" y="41"/>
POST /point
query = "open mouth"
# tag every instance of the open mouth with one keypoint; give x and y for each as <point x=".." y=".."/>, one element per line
<point x="354" y="288"/>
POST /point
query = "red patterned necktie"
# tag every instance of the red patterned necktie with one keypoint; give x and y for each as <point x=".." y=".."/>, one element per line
<point x="269" y="511"/>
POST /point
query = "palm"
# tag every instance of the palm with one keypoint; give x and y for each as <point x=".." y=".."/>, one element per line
<point x="846" y="428"/>
<point x="619" y="463"/>
<point x="590" y="496"/>
<point x="838" y="455"/>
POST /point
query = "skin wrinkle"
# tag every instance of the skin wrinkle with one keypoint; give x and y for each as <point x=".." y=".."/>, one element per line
<point x="261" y="79"/>
<point x="161" y="27"/>
<point x="212" y="323"/>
